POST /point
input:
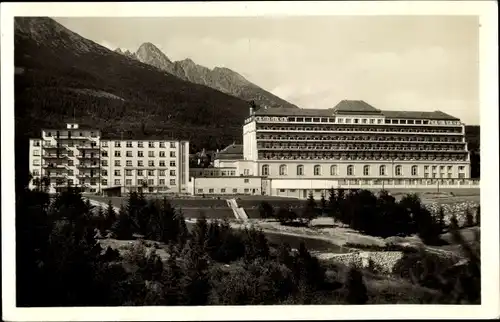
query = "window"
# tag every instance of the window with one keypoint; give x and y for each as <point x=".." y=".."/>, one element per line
<point x="162" y="154"/>
<point x="104" y="163"/>
<point x="172" y="154"/>
<point x="350" y="170"/>
<point x="200" y="190"/>
<point x="70" y="163"/>
<point x="70" y="173"/>
<point x="161" y="182"/>
<point x="151" y="172"/>
<point x="317" y="170"/>
<point x="434" y="168"/>
<point x="140" y="163"/>
<point x="128" y="182"/>
<point x="117" y="182"/>
<point x="449" y="175"/>
<point x="151" y="154"/>
<point x="36" y="173"/>
<point x="366" y="170"/>
<point x="246" y="190"/>
<point x="36" y="162"/>
<point x="382" y="170"/>
<point x="246" y="172"/>
<point x="129" y="163"/>
<point x="172" y="182"/>
<point x="300" y="170"/>
<point x="36" y="152"/>
<point x="348" y="120"/>
<point x="140" y="154"/>
<point x="140" y="144"/>
<point x="129" y="144"/>
<point x="265" y="170"/>
<point x="104" y="182"/>
<point x="372" y="121"/>
<point x="117" y="163"/>
<point x="172" y="173"/>
<point x="49" y="134"/>
<point x="36" y="143"/>
<point x="105" y="153"/>
<point x="104" y="144"/>
<point x="162" y="173"/>
<point x="246" y="180"/>
<point x="128" y="173"/>
<point x="414" y="170"/>
<point x="211" y="190"/>
<point x="461" y="168"/>
<point x="117" y="154"/>
<point x="128" y="154"/>
<point x="117" y="144"/>
<point x="162" y="163"/>
<point x="172" y="145"/>
<point x="93" y="182"/>
<point x="104" y="173"/>
<point x="117" y="173"/>
<point x="223" y="190"/>
<point x="426" y="175"/>
<point x="151" y="163"/>
<point x="162" y="144"/>
<point x="235" y="190"/>
<point x="450" y="168"/>
<point x="282" y="170"/>
<point x="172" y="163"/>
<point x="426" y="168"/>
<point x="399" y="170"/>
<point x="151" y="144"/>
<point x="140" y="173"/>
<point x="151" y="182"/>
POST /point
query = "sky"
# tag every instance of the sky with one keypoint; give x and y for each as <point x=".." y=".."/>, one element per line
<point x="413" y="63"/>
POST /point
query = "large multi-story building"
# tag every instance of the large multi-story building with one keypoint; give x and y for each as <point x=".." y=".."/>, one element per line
<point x="353" y="143"/>
<point x="81" y="157"/>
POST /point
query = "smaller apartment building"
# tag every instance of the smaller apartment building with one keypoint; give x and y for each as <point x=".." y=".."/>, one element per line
<point x="81" y="157"/>
<point x="225" y="185"/>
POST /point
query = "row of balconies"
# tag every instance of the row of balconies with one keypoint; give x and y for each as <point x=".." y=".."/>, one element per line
<point x="327" y="129"/>
<point x="364" y="138"/>
<point x="65" y="147"/>
<point x="359" y="148"/>
<point x="265" y="156"/>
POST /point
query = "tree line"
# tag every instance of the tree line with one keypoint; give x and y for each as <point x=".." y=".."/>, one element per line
<point x="60" y="261"/>
<point x="376" y="215"/>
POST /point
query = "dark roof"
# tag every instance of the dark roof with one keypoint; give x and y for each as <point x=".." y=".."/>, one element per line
<point x="232" y="149"/>
<point x="436" y="115"/>
<point x="231" y="152"/>
<point x="276" y="111"/>
<point x="350" y="106"/>
<point x="354" y="107"/>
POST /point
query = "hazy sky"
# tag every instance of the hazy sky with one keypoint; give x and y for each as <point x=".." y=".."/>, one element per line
<point x="422" y="63"/>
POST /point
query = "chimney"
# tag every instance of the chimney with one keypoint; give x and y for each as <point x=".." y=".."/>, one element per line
<point x="252" y="110"/>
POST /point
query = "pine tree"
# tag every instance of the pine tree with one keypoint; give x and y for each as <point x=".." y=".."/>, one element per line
<point x="469" y="218"/>
<point x="478" y="215"/>
<point x="123" y="227"/>
<point x="356" y="289"/>
<point x="310" y="208"/>
<point x="110" y="215"/>
<point x="323" y="203"/>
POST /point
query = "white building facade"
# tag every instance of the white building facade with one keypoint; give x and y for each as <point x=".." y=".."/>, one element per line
<point x="80" y="157"/>
<point x="353" y="145"/>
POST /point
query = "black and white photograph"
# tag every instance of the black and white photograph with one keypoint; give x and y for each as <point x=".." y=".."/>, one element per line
<point x="250" y="157"/>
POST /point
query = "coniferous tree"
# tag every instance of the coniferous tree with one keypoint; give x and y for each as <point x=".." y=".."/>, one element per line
<point x="323" y="203"/>
<point x="310" y="209"/>
<point x="332" y="203"/>
<point x="355" y="287"/>
<point x="469" y="218"/>
<point x="110" y="215"/>
<point x="123" y="227"/>
<point x="478" y="215"/>
<point x="195" y="282"/>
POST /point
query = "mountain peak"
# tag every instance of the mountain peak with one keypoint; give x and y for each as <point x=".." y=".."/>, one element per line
<point x="152" y="55"/>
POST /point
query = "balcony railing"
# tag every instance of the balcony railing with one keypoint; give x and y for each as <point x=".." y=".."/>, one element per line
<point x="54" y="147"/>
<point x="89" y="157"/>
<point x="90" y="166"/>
<point x="55" y="156"/>
<point x="356" y="130"/>
<point x="54" y="166"/>
<point x="88" y="147"/>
